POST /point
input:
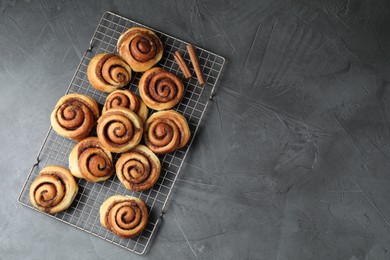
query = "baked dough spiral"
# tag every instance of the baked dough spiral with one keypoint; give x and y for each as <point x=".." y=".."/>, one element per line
<point x="119" y="130"/>
<point x="126" y="99"/>
<point x="74" y="116"/>
<point x="160" y="89"/>
<point x="138" y="169"/>
<point x="91" y="161"/>
<point x="166" y="131"/>
<point x="140" y="48"/>
<point x="53" y="190"/>
<point x="124" y="215"/>
<point x="108" y="72"/>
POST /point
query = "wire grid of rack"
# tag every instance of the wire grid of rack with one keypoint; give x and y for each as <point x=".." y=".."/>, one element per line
<point x="84" y="211"/>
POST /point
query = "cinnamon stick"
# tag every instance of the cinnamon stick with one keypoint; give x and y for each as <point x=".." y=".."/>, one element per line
<point x="182" y="64"/>
<point x="195" y="64"/>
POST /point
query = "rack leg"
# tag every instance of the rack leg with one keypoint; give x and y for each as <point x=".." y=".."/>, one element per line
<point x="212" y="95"/>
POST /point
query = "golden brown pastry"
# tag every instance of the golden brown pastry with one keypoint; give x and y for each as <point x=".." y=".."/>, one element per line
<point x="166" y="131"/>
<point x="108" y="72"/>
<point x="126" y="99"/>
<point x="74" y="116"/>
<point x="91" y="161"/>
<point x="140" y="48"/>
<point x="160" y="89"/>
<point x="53" y="190"/>
<point x="138" y="169"/>
<point x="119" y="130"/>
<point x="124" y="215"/>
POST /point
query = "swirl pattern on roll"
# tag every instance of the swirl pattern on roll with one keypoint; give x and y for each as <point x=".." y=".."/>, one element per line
<point x="125" y="216"/>
<point x="119" y="130"/>
<point x="74" y="116"/>
<point x="108" y="72"/>
<point x="53" y="190"/>
<point x="126" y="99"/>
<point x="138" y="169"/>
<point x="91" y="161"/>
<point x="166" y="131"/>
<point x="140" y="48"/>
<point x="160" y="89"/>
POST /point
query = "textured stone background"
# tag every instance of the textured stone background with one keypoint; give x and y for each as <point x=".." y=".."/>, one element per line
<point x="292" y="159"/>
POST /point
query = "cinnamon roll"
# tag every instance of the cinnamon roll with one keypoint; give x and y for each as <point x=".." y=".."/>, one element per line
<point x="91" y="161"/>
<point x="160" y="89"/>
<point x="74" y="116"/>
<point x="119" y="130"/>
<point x="166" y="131"/>
<point x="140" y="48"/>
<point x="53" y="190"/>
<point x="108" y="72"/>
<point x="126" y="99"/>
<point x="124" y="215"/>
<point x="138" y="169"/>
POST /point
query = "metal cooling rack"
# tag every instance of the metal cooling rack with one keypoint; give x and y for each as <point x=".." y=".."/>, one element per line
<point x="84" y="211"/>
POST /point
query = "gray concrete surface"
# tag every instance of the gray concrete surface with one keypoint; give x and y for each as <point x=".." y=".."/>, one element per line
<point x="292" y="160"/>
